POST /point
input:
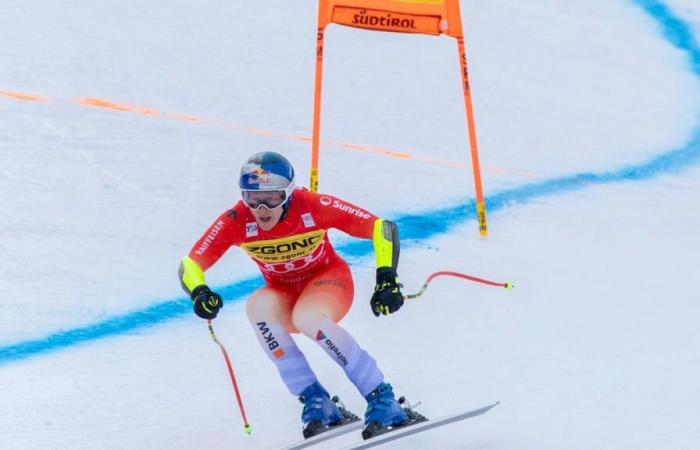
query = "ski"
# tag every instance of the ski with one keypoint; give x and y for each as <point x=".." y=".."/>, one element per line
<point x="334" y="432"/>
<point x="419" y="427"/>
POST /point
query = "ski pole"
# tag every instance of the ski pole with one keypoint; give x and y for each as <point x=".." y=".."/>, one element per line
<point x="464" y="276"/>
<point x="246" y="426"/>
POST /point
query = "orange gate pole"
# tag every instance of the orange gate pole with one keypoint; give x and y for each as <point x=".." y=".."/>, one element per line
<point x="471" y="128"/>
<point x="315" y="140"/>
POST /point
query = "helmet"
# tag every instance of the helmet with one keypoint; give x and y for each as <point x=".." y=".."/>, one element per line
<point x="267" y="171"/>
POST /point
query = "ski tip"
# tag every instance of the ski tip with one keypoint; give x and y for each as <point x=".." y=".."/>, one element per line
<point x="509" y="285"/>
<point x="247" y="429"/>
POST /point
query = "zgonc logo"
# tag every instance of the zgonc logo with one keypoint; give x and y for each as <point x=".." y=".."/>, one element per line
<point x="286" y="249"/>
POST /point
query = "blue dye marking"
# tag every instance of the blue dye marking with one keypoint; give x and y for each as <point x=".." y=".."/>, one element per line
<point x="413" y="227"/>
<point x="675" y="31"/>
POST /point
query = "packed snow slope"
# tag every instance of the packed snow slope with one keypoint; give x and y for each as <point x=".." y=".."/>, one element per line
<point x="123" y="127"/>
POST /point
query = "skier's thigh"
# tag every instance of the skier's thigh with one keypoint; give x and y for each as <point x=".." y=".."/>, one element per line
<point x="328" y="295"/>
<point x="271" y="305"/>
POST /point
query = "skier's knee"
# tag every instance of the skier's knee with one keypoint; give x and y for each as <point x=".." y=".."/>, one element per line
<point x="307" y="320"/>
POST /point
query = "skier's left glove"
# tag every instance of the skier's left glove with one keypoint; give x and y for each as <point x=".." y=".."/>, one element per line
<point x="206" y="303"/>
<point x="387" y="297"/>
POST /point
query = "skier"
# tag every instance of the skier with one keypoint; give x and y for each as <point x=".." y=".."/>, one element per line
<point x="308" y="287"/>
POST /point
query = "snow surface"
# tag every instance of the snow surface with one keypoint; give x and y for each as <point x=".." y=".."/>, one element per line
<point x="589" y="129"/>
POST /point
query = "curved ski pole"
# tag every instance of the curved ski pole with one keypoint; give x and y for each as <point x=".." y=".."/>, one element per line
<point x="507" y="285"/>
<point x="246" y="426"/>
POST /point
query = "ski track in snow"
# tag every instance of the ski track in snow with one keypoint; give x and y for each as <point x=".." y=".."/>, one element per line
<point x="415" y="226"/>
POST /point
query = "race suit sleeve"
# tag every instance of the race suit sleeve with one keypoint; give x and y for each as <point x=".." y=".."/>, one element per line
<point x="332" y="212"/>
<point x="226" y="231"/>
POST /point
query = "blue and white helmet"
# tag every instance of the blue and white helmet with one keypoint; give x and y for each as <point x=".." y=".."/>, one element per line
<point x="267" y="171"/>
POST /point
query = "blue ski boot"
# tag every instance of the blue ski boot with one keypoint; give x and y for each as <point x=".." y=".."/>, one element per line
<point x="320" y="412"/>
<point x="383" y="412"/>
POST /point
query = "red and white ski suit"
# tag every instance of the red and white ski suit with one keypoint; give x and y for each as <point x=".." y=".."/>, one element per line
<point x="297" y="248"/>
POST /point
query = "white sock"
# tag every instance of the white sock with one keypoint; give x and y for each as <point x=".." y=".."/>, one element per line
<point x="358" y="365"/>
<point x="284" y="353"/>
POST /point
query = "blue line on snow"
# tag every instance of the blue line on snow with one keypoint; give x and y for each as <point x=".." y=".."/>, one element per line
<point x="674" y="30"/>
<point x="413" y="227"/>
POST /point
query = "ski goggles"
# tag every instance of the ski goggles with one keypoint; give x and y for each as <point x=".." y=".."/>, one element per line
<point x="269" y="199"/>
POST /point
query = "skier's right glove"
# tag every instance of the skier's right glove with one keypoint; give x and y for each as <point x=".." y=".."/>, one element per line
<point x="387" y="297"/>
<point x="206" y="303"/>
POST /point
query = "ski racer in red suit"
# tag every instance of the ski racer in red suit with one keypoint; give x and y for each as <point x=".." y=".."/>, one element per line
<point x="308" y="287"/>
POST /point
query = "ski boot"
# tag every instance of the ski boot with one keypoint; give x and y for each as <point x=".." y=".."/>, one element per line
<point x="383" y="413"/>
<point x="320" y="413"/>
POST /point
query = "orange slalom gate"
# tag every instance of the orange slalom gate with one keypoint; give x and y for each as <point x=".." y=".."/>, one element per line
<point x="432" y="17"/>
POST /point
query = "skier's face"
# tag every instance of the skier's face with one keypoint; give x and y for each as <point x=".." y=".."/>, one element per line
<point x="267" y="218"/>
<point x="266" y="206"/>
